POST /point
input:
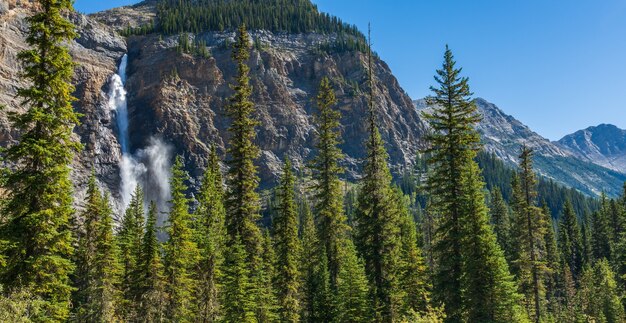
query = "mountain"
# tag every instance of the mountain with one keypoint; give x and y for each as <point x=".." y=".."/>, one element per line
<point x="503" y="135"/>
<point x="176" y="93"/>
<point x="604" y="145"/>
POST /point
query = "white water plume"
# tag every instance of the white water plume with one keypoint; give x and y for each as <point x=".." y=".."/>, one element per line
<point x="148" y="167"/>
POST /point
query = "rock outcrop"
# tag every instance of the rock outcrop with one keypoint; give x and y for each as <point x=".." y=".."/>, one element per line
<point x="604" y="145"/>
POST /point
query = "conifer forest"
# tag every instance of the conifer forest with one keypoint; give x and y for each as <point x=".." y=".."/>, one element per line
<point x="460" y="236"/>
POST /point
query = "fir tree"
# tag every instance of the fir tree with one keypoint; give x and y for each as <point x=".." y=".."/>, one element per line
<point x="501" y="221"/>
<point x="570" y="241"/>
<point x="552" y="260"/>
<point x="327" y="186"/>
<point x="130" y="241"/>
<point x="472" y="277"/>
<point x="97" y="267"/>
<point x="317" y="298"/>
<point x="211" y="238"/>
<point x="599" y="297"/>
<point x="288" y="249"/>
<point x="181" y="252"/>
<point x="529" y="235"/>
<point x="352" y="303"/>
<point x="601" y="231"/>
<point x="377" y="220"/>
<point x="151" y="273"/>
<point x="37" y="243"/>
<point x="263" y="288"/>
<point x="237" y="300"/>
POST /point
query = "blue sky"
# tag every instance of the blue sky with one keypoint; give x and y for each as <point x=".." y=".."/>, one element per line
<point x="558" y="66"/>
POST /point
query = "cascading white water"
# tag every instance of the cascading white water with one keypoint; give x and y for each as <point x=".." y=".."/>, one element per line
<point x="149" y="167"/>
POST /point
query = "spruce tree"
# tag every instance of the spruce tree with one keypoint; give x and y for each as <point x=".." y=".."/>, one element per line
<point x="601" y="243"/>
<point x="472" y="278"/>
<point x="288" y="250"/>
<point x="413" y="274"/>
<point x="210" y="236"/>
<point x="242" y="200"/>
<point x="237" y="301"/>
<point x="352" y="301"/>
<point x="181" y="252"/>
<point x="97" y="274"/>
<point x="377" y="220"/>
<point x="37" y="242"/>
<point x="327" y="186"/>
<point x="130" y="243"/>
<point x="552" y="260"/>
<point x="266" y="306"/>
<point x="501" y="221"/>
<point x="317" y="298"/>
<point x="529" y="235"/>
<point x="570" y="241"/>
<point x="599" y="296"/>
<point x="152" y="301"/>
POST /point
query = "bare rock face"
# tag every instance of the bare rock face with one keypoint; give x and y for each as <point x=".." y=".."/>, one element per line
<point x="183" y="98"/>
<point x="96" y="51"/>
<point x="604" y="145"/>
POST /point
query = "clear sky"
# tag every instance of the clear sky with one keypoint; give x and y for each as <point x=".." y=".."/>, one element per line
<point x="558" y="66"/>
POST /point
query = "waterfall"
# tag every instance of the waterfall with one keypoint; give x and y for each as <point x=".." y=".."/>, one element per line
<point x="148" y="167"/>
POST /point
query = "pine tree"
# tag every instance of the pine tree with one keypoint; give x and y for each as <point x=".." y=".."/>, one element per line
<point x="501" y="221"/>
<point x="37" y="243"/>
<point x="317" y="298"/>
<point x="413" y="274"/>
<point x="181" y="252"/>
<point x="377" y="221"/>
<point x="237" y="300"/>
<point x="601" y="234"/>
<point x="130" y="242"/>
<point x="242" y="200"/>
<point x="529" y="235"/>
<point x="288" y="250"/>
<point x="97" y="271"/>
<point x="352" y="303"/>
<point x="599" y="296"/>
<point x="151" y="273"/>
<point x="472" y="277"/>
<point x="210" y="231"/>
<point x="570" y="241"/>
<point x="327" y="186"/>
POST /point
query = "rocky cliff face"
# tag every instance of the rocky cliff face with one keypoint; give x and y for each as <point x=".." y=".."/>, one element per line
<point x="182" y="97"/>
<point x="604" y="145"/>
<point x="96" y="51"/>
<point x="504" y="136"/>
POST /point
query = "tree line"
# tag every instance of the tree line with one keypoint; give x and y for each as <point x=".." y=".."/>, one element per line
<point x="461" y="260"/>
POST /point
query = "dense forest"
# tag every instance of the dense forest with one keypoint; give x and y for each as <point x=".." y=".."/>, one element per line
<point x="448" y="242"/>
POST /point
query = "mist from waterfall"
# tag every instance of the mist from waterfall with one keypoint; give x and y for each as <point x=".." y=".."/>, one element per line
<point x="148" y="167"/>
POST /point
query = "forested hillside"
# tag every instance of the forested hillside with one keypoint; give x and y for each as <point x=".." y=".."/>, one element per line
<point x="461" y="238"/>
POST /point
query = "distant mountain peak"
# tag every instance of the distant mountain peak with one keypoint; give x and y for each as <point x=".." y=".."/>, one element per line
<point x="604" y="144"/>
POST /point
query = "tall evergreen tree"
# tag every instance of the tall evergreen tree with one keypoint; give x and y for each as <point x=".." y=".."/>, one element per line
<point x="210" y="232"/>
<point x="35" y="231"/>
<point x="151" y="277"/>
<point x="570" y="241"/>
<point x="377" y="220"/>
<point x="317" y="297"/>
<point x="472" y="277"/>
<point x="352" y="303"/>
<point x="528" y="264"/>
<point x="599" y="296"/>
<point x="238" y="302"/>
<point x="501" y="221"/>
<point x="130" y="243"/>
<point x="181" y="252"/>
<point x="288" y="280"/>
<point x="601" y="235"/>
<point x="327" y="186"/>
<point x="97" y="271"/>
<point x="242" y="200"/>
<point x="266" y="306"/>
<point x="552" y="259"/>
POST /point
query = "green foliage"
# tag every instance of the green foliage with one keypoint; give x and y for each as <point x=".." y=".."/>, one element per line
<point x="237" y="300"/>
<point x="472" y="277"/>
<point x="20" y="306"/>
<point x="97" y="268"/>
<point x="599" y="297"/>
<point x="352" y="302"/>
<point x="288" y="249"/>
<point x="151" y="277"/>
<point x="294" y="16"/>
<point x="330" y="215"/>
<point x="501" y="221"/>
<point x="181" y="252"/>
<point x="129" y="240"/>
<point x="198" y="47"/>
<point x="210" y="236"/>
<point x="141" y="30"/>
<point x="35" y="231"/>
<point x="570" y="241"/>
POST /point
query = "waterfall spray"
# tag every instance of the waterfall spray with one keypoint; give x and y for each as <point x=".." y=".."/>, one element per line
<point x="150" y="166"/>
